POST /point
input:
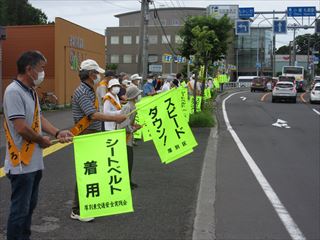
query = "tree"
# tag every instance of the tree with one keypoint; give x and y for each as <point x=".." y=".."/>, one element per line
<point x="206" y="38"/>
<point x="283" y="50"/>
<point x="20" y="12"/>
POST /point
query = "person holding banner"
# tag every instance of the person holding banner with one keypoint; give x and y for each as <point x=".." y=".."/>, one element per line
<point x="112" y="105"/>
<point x="24" y="126"/>
<point x="191" y="85"/>
<point x="148" y="88"/>
<point x="86" y="115"/>
<point x="132" y="94"/>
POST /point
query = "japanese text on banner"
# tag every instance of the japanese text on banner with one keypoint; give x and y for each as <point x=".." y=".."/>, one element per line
<point x="170" y="131"/>
<point x="102" y="174"/>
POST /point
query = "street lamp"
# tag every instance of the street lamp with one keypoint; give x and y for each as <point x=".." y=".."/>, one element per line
<point x="258" y="43"/>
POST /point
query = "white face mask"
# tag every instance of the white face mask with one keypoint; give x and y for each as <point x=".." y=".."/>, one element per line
<point x="115" y="90"/>
<point x="97" y="80"/>
<point x="40" y="78"/>
<point x="150" y="80"/>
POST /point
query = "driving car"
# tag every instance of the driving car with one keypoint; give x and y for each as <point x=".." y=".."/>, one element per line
<point x="260" y="83"/>
<point x="315" y="81"/>
<point x="284" y="90"/>
<point x="299" y="84"/>
<point x="315" y="93"/>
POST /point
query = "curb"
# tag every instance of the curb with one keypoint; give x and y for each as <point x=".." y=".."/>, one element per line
<point x="204" y="222"/>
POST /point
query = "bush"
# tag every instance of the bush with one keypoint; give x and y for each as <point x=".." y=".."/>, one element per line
<point x="202" y="119"/>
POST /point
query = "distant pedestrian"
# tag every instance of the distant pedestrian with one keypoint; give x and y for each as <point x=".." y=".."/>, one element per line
<point x="24" y="127"/>
<point x="148" y="88"/>
<point x="129" y="124"/>
<point x="191" y="86"/>
<point x="112" y="105"/>
<point x="86" y="115"/>
<point x="168" y="84"/>
<point x="135" y="79"/>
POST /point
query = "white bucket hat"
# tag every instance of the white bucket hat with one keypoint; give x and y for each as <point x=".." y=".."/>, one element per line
<point x="113" y="82"/>
<point x="135" y="77"/>
<point x="90" y="64"/>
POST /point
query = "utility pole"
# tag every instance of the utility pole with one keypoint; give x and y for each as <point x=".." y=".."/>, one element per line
<point x="143" y="39"/>
<point x="294" y="45"/>
<point x="274" y="65"/>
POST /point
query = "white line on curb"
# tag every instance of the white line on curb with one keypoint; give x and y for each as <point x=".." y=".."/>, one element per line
<point x="317" y="112"/>
<point x="282" y="212"/>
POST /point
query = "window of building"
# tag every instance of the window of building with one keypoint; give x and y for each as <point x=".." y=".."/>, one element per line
<point x="153" y="39"/>
<point x="114" y="40"/>
<point x="114" y="58"/>
<point x="166" y="39"/>
<point x="137" y="39"/>
<point x="127" y="39"/>
<point x="137" y="58"/>
<point x="127" y="58"/>
<point x="178" y="39"/>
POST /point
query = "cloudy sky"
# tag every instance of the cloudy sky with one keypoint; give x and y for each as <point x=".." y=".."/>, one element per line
<point x="99" y="14"/>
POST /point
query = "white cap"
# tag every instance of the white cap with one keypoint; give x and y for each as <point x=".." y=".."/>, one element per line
<point x="126" y="82"/>
<point x="90" y="64"/>
<point x="113" y="82"/>
<point x="135" y="77"/>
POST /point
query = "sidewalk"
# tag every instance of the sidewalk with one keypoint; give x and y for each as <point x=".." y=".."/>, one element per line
<point x="173" y="201"/>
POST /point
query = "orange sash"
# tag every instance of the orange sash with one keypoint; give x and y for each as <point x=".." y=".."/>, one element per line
<point x="83" y="123"/>
<point x="25" y="154"/>
<point x="112" y="101"/>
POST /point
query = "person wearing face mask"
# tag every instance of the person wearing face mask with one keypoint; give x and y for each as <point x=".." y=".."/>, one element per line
<point x="112" y="105"/>
<point x="148" y="87"/>
<point x="85" y="111"/>
<point x="133" y="93"/>
<point x="24" y="126"/>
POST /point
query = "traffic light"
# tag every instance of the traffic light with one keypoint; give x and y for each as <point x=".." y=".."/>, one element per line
<point x="317" y="26"/>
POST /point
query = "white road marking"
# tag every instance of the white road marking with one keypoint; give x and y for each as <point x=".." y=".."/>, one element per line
<point x="282" y="212"/>
<point x="317" y="112"/>
<point x="243" y="98"/>
<point x="281" y="124"/>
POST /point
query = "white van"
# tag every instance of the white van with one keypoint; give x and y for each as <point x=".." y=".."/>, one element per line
<point x="245" y="81"/>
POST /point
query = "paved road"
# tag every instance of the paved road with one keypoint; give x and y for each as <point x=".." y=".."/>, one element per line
<point x="164" y="204"/>
<point x="288" y="158"/>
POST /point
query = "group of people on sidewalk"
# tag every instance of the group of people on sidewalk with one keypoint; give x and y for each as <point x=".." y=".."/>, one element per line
<point x="100" y="103"/>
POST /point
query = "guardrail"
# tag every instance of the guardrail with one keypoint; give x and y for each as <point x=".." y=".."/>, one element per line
<point x="236" y="85"/>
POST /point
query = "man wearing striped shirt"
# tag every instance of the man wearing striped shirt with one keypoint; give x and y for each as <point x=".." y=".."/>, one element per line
<point x="84" y="105"/>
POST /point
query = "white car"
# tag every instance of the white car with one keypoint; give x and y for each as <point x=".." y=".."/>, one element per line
<point x="315" y="93"/>
<point x="284" y="90"/>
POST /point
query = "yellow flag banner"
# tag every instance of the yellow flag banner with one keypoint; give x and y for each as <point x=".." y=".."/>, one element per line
<point x="198" y="103"/>
<point x="184" y="102"/>
<point x="102" y="174"/>
<point x="138" y="134"/>
<point x="207" y="93"/>
<point x="170" y="131"/>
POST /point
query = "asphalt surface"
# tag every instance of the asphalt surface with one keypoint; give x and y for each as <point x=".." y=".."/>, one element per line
<point x="288" y="158"/>
<point x="164" y="203"/>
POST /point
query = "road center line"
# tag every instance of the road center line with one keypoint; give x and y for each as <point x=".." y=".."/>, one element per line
<point x="282" y="212"/>
<point x="317" y="112"/>
<point x="46" y="152"/>
<point x="264" y="96"/>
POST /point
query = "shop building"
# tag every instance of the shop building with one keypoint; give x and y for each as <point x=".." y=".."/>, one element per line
<point x="63" y="43"/>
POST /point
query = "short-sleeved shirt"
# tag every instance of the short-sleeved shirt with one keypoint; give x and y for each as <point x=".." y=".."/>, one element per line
<point x="147" y="88"/>
<point x="19" y="103"/>
<point x="83" y="101"/>
<point x="111" y="110"/>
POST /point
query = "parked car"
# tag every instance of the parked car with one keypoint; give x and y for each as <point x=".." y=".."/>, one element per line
<point x="315" y="81"/>
<point x="245" y="81"/>
<point x="261" y="84"/>
<point x="284" y="91"/>
<point x="315" y="93"/>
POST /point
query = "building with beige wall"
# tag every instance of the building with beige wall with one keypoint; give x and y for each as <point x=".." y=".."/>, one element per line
<point x="63" y="43"/>
<point x="123" y="41"/>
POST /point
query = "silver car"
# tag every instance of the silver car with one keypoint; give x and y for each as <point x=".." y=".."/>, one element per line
<point x="284" y="90"/>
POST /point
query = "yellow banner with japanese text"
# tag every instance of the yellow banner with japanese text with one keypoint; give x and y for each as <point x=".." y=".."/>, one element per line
<point x="102" y="174"/>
